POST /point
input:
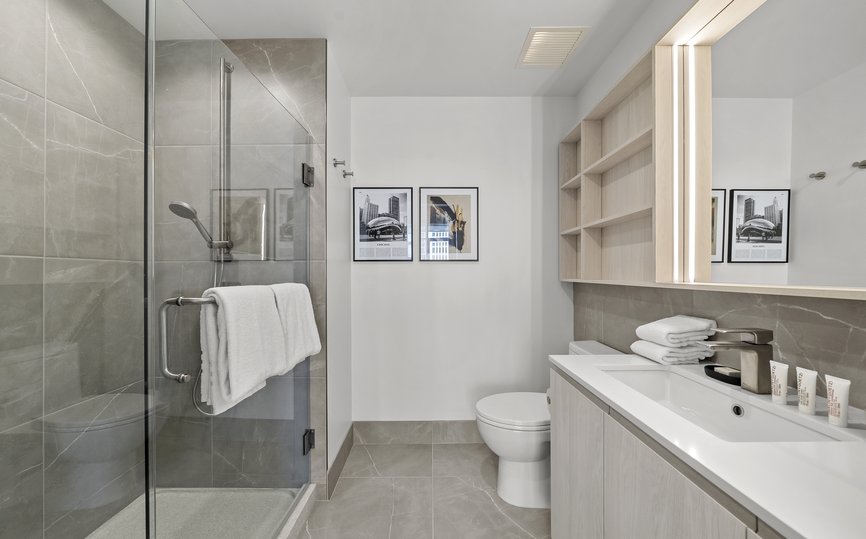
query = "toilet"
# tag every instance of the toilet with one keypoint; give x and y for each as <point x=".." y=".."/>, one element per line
<point x="516" y="426"/>
<point x="96" y="438"/>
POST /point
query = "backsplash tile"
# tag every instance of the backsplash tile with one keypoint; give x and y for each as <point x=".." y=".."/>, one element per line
<point x="827" y="335"/>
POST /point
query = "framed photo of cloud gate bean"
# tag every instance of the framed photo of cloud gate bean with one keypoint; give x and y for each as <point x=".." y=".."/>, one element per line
<point x="758" y="225"/>
<point x="383" y="224"/>
<point x="449" y="224"/>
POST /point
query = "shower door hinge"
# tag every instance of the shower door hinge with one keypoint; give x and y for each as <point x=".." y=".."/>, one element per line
<point x="309" y="440"/>
<point x="308" y="174"/>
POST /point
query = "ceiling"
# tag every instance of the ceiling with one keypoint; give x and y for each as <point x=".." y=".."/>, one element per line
<point x="788" y="47"/>
<point x="442" y="48"/>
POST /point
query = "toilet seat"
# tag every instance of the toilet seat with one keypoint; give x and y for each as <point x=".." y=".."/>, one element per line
<point x="515" y="411"/>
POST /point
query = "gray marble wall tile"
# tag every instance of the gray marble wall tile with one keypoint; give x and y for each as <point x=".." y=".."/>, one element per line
<point x="94" y="321"/>
<point x="822" y="334"/>
<point x="184" y="174"/>
<point x="185" y="92"/>
<point x="94" y="190"/>
<point x="183" y="452"/>
<point x="294" y="72"/>
<point x="22" y="56"/>
<point x="20" y="340"/>
<point x="319" y="421"/>
<point x="96" y="64"/>
<point x="21" y="481"/>
<point x="22" y="169"/>
<point x="393" y="432"/>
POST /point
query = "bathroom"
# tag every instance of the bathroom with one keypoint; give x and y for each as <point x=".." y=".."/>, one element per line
<point x="634" y="162"/>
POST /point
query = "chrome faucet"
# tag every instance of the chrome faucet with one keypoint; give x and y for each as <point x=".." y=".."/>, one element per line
<point x="755" y="354"/>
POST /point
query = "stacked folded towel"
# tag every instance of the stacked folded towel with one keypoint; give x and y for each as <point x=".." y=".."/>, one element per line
<point x="675" y="340"/>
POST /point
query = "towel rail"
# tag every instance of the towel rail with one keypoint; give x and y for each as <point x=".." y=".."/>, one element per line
<point x="179" y="301"/>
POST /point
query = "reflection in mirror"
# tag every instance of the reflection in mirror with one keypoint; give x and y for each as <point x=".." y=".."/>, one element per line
<point x="789" y="118"/>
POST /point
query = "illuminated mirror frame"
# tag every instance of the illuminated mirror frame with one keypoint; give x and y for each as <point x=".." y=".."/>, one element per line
<point x="684" y="156"/>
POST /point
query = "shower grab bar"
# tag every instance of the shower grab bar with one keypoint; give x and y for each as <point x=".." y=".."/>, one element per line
<point x="226" y="70"/>
<point x="179" y="301"/>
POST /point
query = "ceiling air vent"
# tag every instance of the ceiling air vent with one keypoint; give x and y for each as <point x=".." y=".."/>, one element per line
<point x="550" y="46"/>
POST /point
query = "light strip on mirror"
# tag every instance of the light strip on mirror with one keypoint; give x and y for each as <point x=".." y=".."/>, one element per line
<point x="676" y="162"/>
<point x="692" y="163"/>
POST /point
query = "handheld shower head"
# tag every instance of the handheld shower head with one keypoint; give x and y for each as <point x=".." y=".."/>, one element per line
<point x="186" y="211"/>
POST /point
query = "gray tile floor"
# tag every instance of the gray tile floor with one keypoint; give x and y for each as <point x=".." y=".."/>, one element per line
<point x="422" y="490"/>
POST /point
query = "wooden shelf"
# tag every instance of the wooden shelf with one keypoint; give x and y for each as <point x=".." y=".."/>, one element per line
<point x="642" y="141"/>
<point x="573" y="183"/>
<point x="571" y="231"/>
<point x="619" y="218"/>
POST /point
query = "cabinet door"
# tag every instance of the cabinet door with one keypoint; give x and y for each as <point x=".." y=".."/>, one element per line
<point x="577" y="463"/>
<point x="646" y="497"/>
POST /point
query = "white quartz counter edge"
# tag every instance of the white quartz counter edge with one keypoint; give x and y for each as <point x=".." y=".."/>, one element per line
<point x="801" y="489"/>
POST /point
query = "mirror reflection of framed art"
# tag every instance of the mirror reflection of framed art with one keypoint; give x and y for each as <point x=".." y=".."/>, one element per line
<point x="758" y="225"/>
<point x="717" y="225"/>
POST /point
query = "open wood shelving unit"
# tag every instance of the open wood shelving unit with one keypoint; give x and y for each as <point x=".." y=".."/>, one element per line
<point x="607" y="187"/>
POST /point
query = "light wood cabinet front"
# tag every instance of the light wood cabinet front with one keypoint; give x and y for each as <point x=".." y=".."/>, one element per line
<point x="577" y="459"/>
<point x="645" y="496"/>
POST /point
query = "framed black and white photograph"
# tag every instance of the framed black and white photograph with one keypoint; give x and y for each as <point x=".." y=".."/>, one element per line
<point x="717" y="226"/>
<point x="449" y="223"/>
<point x="383" y="224"/>
<point x="247" y="221"/>
<point x="758" y="225"/>
<point x="284" y="224"/>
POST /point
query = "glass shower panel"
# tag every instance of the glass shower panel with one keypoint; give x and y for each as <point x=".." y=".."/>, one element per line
<point x="224" y="144"/>
<point x="72" y="291"/>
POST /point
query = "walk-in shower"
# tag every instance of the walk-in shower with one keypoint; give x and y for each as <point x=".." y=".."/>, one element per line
<point x="120" y="121"/>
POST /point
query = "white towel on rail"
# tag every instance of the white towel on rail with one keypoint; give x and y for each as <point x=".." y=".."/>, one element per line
<point x="299" y="324"/>
<point x="677" y="330"/>
<point x="684" y="355"/>
<point x="242" y="344"/>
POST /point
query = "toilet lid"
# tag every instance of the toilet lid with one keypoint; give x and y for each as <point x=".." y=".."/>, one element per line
<point x="96" y="412"/>
<point x="515" y="409"/>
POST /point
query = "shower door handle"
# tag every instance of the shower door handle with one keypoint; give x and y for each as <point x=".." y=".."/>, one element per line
<point x="163" y="342"/>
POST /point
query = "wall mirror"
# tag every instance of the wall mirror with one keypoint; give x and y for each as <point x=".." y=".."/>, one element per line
<point x="779" y="103"/>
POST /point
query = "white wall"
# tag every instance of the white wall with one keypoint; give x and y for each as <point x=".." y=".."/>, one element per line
<point x="339" y="225"/>
<point x="751" y="150"/>
<point x="429" y="339"/>
<point x="827" y="217"/>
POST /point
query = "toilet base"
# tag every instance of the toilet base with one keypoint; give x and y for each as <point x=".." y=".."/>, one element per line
<point x="525" y="484"/>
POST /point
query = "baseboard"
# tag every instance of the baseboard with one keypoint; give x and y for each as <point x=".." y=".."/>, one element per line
<point x="339" y="462"/>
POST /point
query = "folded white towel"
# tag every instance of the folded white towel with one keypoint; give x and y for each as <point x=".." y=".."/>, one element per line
<point x="242" y="344"/>
<point x="295" y="309"/>
<point x="685" y="355"/>
<point x="677" y="330"/>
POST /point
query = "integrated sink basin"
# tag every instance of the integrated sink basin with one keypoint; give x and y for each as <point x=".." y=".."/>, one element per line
<point x="722" y="411"/>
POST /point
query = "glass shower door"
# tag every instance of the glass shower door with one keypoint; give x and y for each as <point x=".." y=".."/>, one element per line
<point x="226" y="151"/>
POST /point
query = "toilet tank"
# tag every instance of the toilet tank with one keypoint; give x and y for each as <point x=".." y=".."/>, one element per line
<point x="590" y="348"/>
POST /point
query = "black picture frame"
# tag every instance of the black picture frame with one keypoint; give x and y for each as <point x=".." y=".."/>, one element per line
<point x="720" y="215"/>
<point x="447" y="247"/>
<point x="735" y="232"/>
<point x="361" y="219"/>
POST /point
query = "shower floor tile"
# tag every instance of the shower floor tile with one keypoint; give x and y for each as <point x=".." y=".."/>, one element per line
<point x="392" y="494"/>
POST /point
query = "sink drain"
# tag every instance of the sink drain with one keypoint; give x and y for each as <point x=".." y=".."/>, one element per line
<point x="738" y="410"/>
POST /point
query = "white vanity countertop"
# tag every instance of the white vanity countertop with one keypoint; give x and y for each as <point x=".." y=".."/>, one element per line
<point x="802" y="489"/>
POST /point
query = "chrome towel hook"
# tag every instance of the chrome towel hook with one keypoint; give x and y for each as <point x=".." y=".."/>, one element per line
<point x="818" y="175"/>
<point x="347" y="173"/>
<point x="859" y="164"/>
<point x="339" y="163"/>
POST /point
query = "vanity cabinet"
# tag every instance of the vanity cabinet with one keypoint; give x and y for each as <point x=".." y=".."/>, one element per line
<point x="645" y="496"/>
<point x="577" y="458"/>
<point x="606" y="482"/>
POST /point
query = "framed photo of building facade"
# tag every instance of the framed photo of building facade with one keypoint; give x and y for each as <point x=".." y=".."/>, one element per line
<point x="449" y="223"/>
<point x="383" y="224"/>
<point x="758" y="225"/>
<point x="717" y="226"/>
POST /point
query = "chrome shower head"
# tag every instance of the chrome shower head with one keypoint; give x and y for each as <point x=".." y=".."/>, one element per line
<point x="186" y="211"/>
<point x="182" y="209"/>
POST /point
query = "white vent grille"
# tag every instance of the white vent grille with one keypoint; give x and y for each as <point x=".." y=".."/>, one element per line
<point x="550" y="46"/>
